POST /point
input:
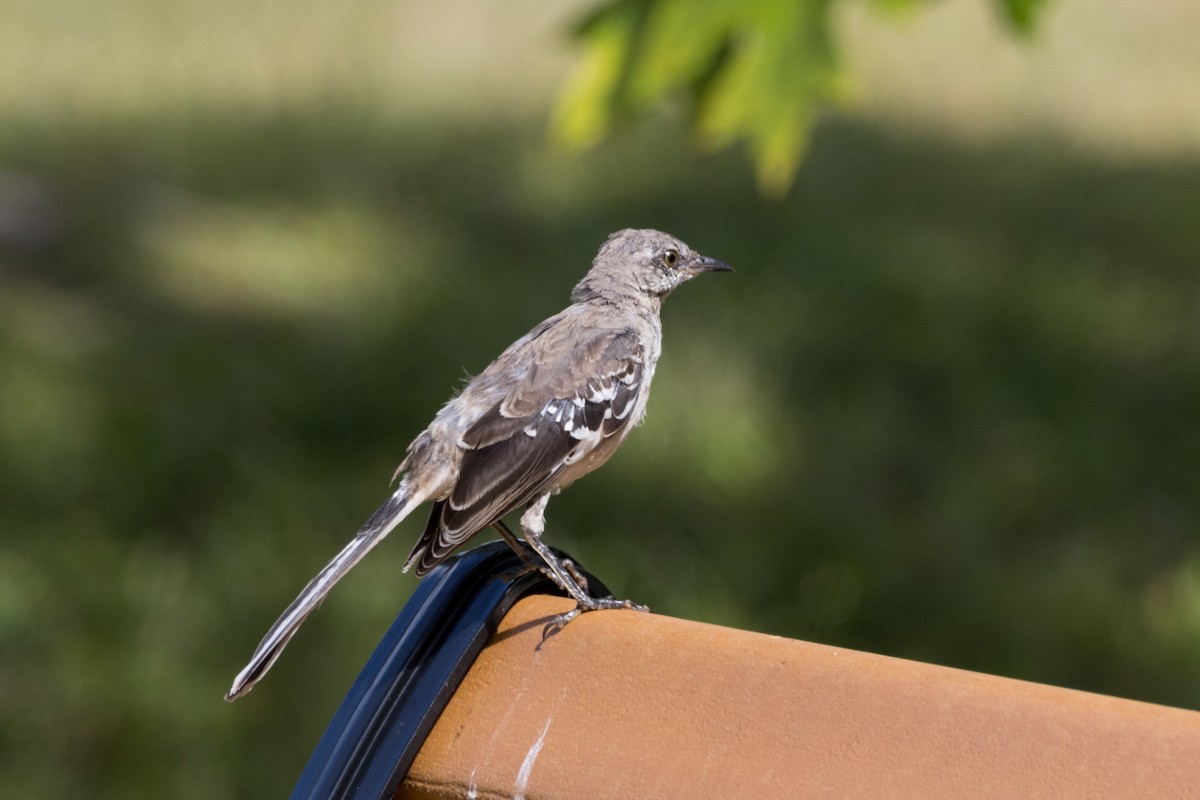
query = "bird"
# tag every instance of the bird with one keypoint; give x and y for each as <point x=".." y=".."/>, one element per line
<point x="554" y="406"/>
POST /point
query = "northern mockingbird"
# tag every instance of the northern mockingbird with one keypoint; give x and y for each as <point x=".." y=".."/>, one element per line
<point x="553" y="407"/>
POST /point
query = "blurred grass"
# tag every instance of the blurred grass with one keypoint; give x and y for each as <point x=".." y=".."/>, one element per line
<point x="957" y="386"/>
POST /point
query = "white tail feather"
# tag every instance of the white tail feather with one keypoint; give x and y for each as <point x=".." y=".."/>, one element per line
<point x="387" y="517"/>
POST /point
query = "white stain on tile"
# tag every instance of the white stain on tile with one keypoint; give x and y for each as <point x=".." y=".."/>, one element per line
<point x="527" y="764"/>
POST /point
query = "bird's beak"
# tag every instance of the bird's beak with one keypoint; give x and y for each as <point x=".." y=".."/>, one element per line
<point x="705" y="264"/>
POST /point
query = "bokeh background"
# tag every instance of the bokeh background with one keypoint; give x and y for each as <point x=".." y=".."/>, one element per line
<point x="948" y="407"/>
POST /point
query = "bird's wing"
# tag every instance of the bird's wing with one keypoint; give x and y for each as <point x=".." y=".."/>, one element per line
<point x="574" y="396"/>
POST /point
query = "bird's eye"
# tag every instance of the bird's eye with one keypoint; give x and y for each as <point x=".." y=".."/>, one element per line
<point x="670" y="258"/>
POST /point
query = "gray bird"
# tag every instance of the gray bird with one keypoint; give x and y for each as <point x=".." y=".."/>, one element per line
<point x="553" y="407"/>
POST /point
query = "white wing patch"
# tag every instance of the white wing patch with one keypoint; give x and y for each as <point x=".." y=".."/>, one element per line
<point x="593" y="412"/>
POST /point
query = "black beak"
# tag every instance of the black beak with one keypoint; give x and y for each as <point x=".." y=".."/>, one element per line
<point x="705" y="264"/>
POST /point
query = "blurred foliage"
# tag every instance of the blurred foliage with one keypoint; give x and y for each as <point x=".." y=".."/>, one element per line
<point x="945" y="409"/>
<point x="1021" y="14"/>
<point x="756" y="70"/>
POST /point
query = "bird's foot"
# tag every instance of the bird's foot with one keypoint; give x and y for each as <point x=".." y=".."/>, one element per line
<point x="591" y="604"/>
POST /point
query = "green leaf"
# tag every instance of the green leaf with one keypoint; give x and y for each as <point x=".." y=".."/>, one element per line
<point x="682" y="40"/>
<point x="591" y="97"/>
<point x="780" y="68"/>
<point x="757" y="70"/>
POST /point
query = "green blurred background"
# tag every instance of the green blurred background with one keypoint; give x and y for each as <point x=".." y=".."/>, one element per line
<point x="948" y="408"/>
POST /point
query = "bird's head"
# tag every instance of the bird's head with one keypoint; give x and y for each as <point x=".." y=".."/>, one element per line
<point x="646" y="262"/>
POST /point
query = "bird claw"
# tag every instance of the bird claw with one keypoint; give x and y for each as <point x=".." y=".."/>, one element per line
<point x="594" y="604"/>
<point x="558" y="623"/>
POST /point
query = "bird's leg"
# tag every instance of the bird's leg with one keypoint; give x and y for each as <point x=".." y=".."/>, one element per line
<point x="532" y="562"/>
<point x="578" y="576"/>
<point x="533" y="523"/>
<point x="528" y="558"/>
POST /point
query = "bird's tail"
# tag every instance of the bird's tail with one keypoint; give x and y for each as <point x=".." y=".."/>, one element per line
<point x="385" y="518"/>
